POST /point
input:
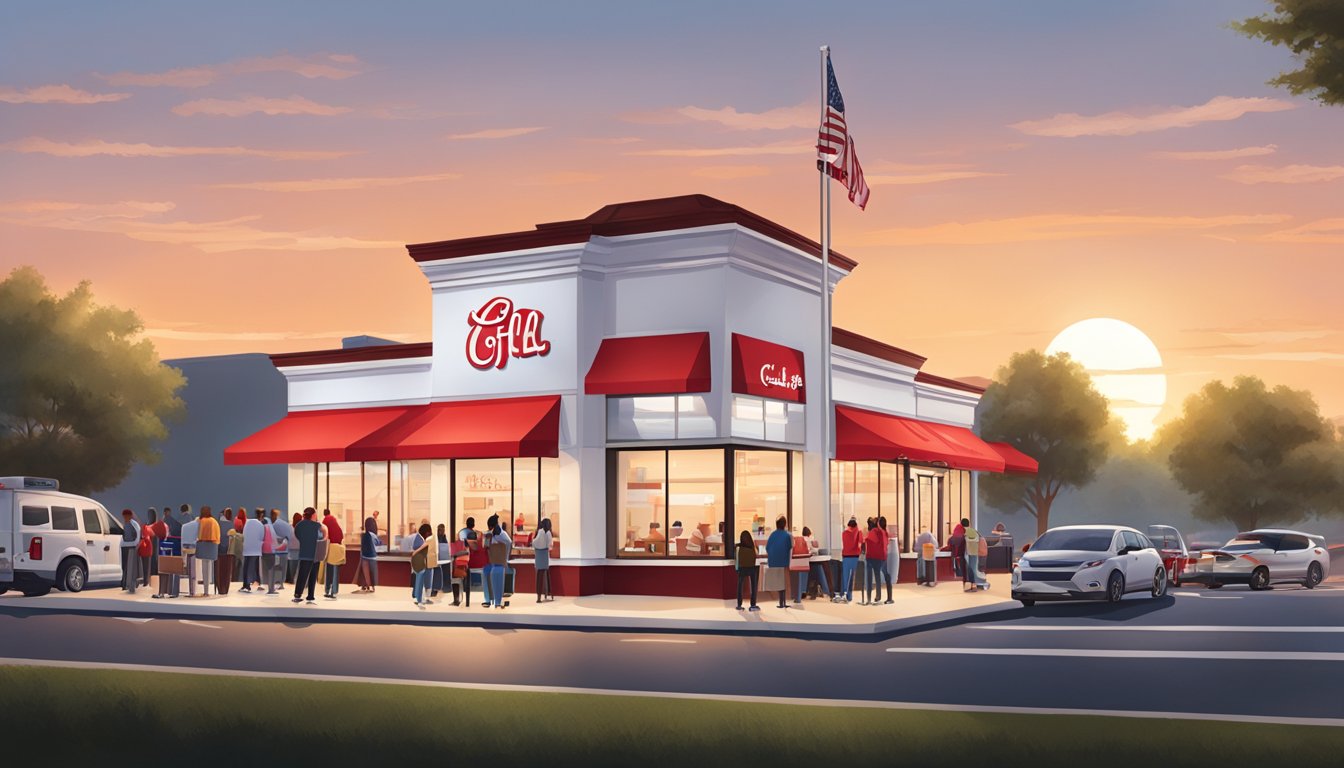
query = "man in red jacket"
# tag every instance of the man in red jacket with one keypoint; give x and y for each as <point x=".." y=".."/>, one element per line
<point x="875" y="552"/>
<point x="850" y="540"/>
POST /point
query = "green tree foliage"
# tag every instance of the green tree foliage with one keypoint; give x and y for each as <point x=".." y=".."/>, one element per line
<point x="1254" y="456"/>
<point x="1314" y="31"/>
<point x="1047" y="408"/>
<point x="80" y="399"/>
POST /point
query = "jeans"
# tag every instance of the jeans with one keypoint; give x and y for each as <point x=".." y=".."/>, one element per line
<point x="818" y="571"/>
<point x="801" y="586"/>
<point x="752" y="574"/>
<point x="436" y="579"/>
<point x="847" y="567"/>
<point x="145" y="566"/>
<point x="421" y="578"/>
<point x="497" y="584"/>
<point x="268" y="569"/>
<point x="332" y="577"/>
<point x="877" y="574"/>
<point x="973" y="570"/>
<point x="251" y="570"/>
<point x="306" y="577"/>
<point x="190" y="554"/>
<point x="130" y="569"/>
<point x="926" y="571"/>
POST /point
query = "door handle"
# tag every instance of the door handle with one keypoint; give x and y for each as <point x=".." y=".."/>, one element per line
<point x="90" y="543"/>
<point x="106" y="547"/>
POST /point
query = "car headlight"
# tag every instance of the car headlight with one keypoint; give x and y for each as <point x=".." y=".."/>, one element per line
<point x="1094" y="564"/>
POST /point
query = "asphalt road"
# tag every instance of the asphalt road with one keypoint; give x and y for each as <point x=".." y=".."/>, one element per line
<point x="1230" y="652"/>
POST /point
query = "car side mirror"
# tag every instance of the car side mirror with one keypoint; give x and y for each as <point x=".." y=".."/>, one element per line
<point x="1125" y="550"/>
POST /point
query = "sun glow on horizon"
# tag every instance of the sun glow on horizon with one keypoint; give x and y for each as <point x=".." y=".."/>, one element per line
<point x="1125" y="365"/>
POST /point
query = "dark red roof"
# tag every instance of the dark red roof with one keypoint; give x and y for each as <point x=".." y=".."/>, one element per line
<point x="929" y="378"/>
<point x="633" y="218"/>
<point x="851" y="340"/>
<point x="357" y="354"/>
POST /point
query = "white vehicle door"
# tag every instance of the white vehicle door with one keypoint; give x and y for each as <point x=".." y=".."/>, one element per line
<point x="103" y="563"/>
<point x="1136" y="565"/>
<point x="8" y="541"/>
<point x="67" y="533"/>
<point x="1295" y="552"/>
<point x="35" y="535"/>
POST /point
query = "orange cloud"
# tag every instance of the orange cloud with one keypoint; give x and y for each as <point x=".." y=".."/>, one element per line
<point x="1322" y="231"/>
<point x="328" y="66"/>
<point x="1220" y="154"/>
<point x="57" y="94"/>
<point x="778" y="148"/>
<point x="800" y="116"/>
<point x="561" y="178"/>
<point x="323" y="185"/>
<point x="1217" y="109"/>
<point x="495" y="133"/>
<point x="92" y="147"/>
<point x="248" y="105"/>
<point x="729" y="172"/>
<point x="931" y="176"/>
<point x="1287" y="174"/>
<point x="1056" y="227"/>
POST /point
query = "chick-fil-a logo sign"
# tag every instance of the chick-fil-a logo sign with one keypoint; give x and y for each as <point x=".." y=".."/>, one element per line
<point x="764" y="369"/>
<point x="778" y="376"/>
<point x="498" y="332"/>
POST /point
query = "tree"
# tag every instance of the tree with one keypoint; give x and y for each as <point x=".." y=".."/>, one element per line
<point x="1254" y="456"/>
<point x="80" y="399"/>
<point x="1314" y="31"/>
<point x="1047" y="408"/>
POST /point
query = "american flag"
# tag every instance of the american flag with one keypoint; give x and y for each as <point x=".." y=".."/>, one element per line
<point x="835" y="147"/>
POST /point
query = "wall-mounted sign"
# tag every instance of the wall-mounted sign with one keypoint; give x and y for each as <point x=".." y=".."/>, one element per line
<point x="499" y="332"/>
<point x="764" y="369"/>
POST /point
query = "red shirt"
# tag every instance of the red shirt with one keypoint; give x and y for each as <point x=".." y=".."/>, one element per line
<point x="875" y="544"/>
<point x="851" y="539"/>
<point x="334" y="533"/>
<point x="239" y="521"/>
<point x="159" y="529"/>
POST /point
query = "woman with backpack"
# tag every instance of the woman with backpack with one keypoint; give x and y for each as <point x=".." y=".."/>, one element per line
<point x="498" y="546"/>
<point x="745" y="558"/>
<point x="541" y="553"/>
<point x="420" y="563"/>
<point x="976" y="548"/>
<point x="367" y="575"/>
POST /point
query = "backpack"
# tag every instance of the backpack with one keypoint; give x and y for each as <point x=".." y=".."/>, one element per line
<point x="145" y="547"/>
<point x="983" y="548"/>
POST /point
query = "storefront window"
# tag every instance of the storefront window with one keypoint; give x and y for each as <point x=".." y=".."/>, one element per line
<point x="756" y="418"/>
<point x="550" y="498"/>
<point x="695" y="498"/>
<point x="760" y="491"/>
<point x="309" y="495"/>
<point x="345" y="492"/>
<point x="526" y="496"/>
<point x="416" y="510"/>
<point x="889" y="503"/>
<point x="660" y="417"/>
<point x="641" y="503"/>
<point x="376" y="478"/>
<point x="484" y="488"/>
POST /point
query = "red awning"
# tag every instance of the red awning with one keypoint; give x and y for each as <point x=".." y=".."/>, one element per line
<point x="1015" y="460"/>
<point x="310" y="436"/>
<point x="650" y="365"/>
<point x="862" y="435"/>
<point x="764" y="369"/>
<point x="468" y="429"/>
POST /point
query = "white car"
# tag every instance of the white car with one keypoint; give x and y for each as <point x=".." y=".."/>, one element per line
<point x="53" y="539"/>
<point x="1089" y="562"/>
<point x="1261" y="557"/>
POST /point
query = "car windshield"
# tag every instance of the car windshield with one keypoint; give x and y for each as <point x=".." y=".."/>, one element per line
<point x="1088" y="540"/>
<point x="1251" y="541"/>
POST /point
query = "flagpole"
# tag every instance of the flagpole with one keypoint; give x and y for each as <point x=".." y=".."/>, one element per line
<point x="826" y="406"/>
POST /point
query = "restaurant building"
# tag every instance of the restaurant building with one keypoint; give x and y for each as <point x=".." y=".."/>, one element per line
<point x="642" y="377"/>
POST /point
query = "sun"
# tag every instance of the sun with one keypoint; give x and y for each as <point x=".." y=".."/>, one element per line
<point x="1125" y="366"/>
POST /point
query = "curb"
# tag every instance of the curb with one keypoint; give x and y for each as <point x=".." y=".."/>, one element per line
<point x="865" y="632"/>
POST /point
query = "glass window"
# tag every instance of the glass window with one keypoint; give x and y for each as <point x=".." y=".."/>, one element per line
<point x="641" y="496"/>
<point x="1294" y="543"/>
<point x="550" y="498"/>
<point x="64" y="519"/>
<point x="309" y="496"/>
<point x="93" y="522"/>
<point x="812" y="515"/>
<point x="345" y="493"/>
<point x="376" y="477"/>
<point x="36" y="517"/>
<point x="113" y="525"/>
<point x="760" y="491"/>
<point x="642" y="418"/>
<point x="484" y="488"/>
<point x="748" y="417"/>
<point x="695" y="498"/>
<point x="757" y="418"/>
<point x="889" y="503"/>
<point x="415" y="490"/>
<point x="526" y="496"/>
<point x="694" y="418"/>
<point x="1083" y="539"/>
<point x="926" y="497"/>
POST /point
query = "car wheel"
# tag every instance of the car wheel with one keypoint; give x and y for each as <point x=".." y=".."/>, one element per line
<point x="1026" y="603"/>
<point x="1115" y="587"/>
<point x="1313" y="576"/>
<point x="1260" y="578"/>
<point x="36" y="591"/>
<point x="73" y="576"/>
<point x="1160" y="582"/>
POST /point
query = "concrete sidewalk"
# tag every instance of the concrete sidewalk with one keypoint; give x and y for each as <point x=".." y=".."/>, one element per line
<point x="914" y="606"/>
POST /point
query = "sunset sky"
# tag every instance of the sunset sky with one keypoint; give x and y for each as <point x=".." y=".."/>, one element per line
<point x="246" y="177"/>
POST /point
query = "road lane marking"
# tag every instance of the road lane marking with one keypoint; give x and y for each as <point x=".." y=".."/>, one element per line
<point x="132" y="619"/>
<point x="1207" y="597"/>
<point x="1329" y="722"/>
<point x="191" y="623"/>
<point x="1170" y="628"/>
<point x="1094" y="653"/>
<point x="656" y="640"/>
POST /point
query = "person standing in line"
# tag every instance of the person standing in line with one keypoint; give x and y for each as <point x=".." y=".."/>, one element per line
<point x="144" y="550"/>
<point x="851" y="546"/>
<point x="423" y="544"/>
<point x="437" y="576"/>
<point x="956" y="544"/>
<point x="973" y="541"/>
<point x="367" y="575"/>
<point x="225" y="520"/>
<point x="283" y="531"/>
<point x="172" y="543"/>
<point x="190" y="534"/>
<point x="817" y="565"/>
<point x="158" y="532"/>
<point x="207" y="550"/>
<point x="231" y="537"/>
<point x="875" y="552"/>
<point x="130" y="558"/>
<point x="498" y="546"/>
<point x="893" y="564"/>
<point x="307" y="532"/>
<point x="541" y="554"/>
<point x="745" y="559"/>
<point x="926" y="549"/>
<point x="477" y="558"/>
<point x="254" y="540"/>
<point x="800" y="564"/>
<point x="779" y="554"/>
<point x="292" y="567"/>
<point x="268" y="551"/>
<point x="331" y="578"/>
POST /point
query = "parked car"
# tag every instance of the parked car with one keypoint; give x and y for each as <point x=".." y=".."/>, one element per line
<point x="1264" y="556"/>
<point x="1090" y="562"/>
<point x="49" y="538"/>
<point x="1177" y="558"/>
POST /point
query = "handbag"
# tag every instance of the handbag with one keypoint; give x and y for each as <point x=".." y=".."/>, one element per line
<point x="928" y="550"/>
<point x="774" y="579"/>
<point x="172" y="565"/>
<point x="420" y="560"/>
<point x="983" y="548"/>
<point x="320" y="554"/>
<point x="336" y="555"/>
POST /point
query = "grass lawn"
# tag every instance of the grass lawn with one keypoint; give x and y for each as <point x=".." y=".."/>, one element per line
<point x="109" y="718"/>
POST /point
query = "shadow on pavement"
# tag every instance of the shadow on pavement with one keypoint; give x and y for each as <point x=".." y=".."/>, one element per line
<point x="1125" y="610"/>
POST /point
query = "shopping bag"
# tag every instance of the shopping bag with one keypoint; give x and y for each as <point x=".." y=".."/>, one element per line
<point x="774" y="579"/>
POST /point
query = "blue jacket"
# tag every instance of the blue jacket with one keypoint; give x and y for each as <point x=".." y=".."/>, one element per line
<point x="779" y="549"/>
<point x="308" y="532"/>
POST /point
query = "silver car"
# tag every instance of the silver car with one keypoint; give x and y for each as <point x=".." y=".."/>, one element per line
<point x="1088" y="562"/>
<point x="1262" y="557"/>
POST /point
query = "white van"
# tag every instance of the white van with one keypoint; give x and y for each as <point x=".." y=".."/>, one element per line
<point x="53" y="539"/>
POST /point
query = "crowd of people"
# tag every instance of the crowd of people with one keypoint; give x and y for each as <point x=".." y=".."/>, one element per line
<point x="263" y="551"/>
<point x="866" y="556"/>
